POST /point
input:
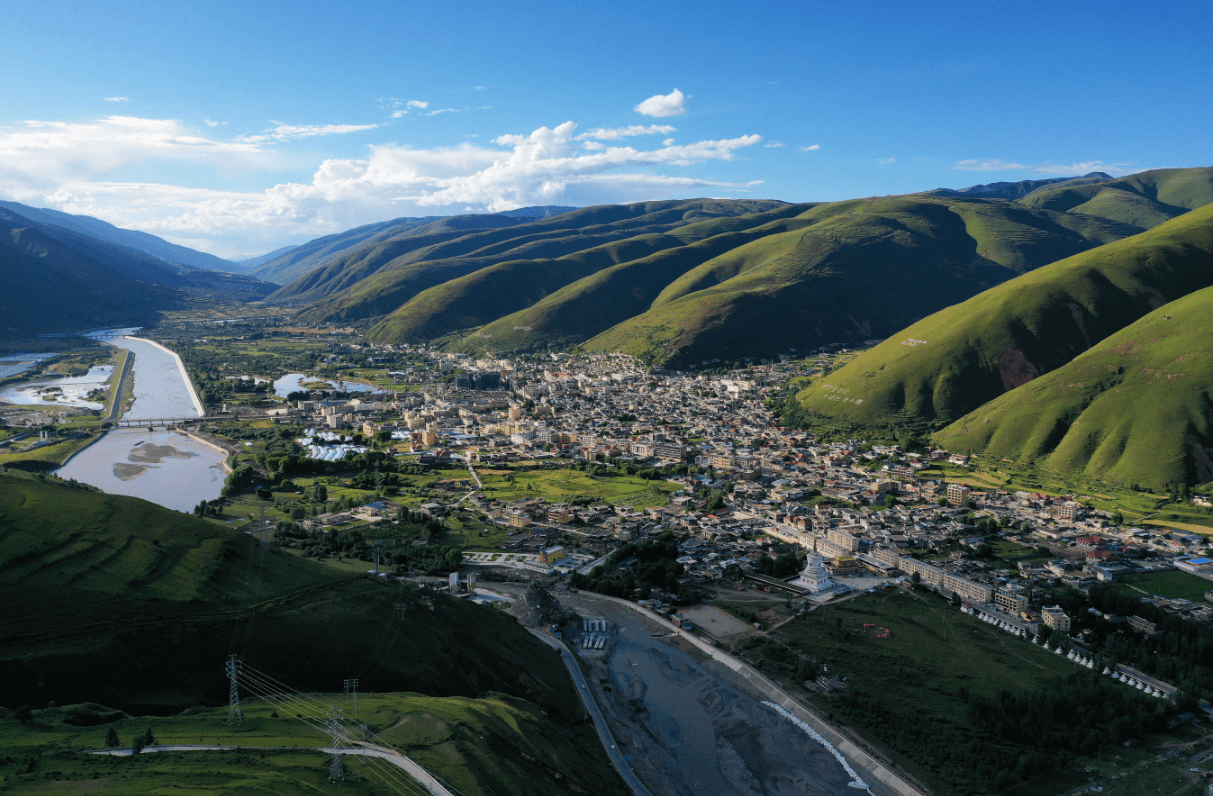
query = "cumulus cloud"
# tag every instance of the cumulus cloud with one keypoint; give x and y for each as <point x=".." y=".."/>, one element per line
<point x="672" y="104"/>
<point x="36" y="152"/>
<point x="668" y="142"/>
<point x="117" y="99"/>
<point x="547" y="166"/>
<point x="810" y="148"/>
<point x="619" y="133"/>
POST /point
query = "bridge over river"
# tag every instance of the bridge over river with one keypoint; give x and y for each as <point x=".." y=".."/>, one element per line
<point x="164" y="422"/>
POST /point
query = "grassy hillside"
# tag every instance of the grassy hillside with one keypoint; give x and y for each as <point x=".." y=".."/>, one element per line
<point x="493" y="745"/>
<point x="604" y="281"/>
<point x="116" y="600"/>
<point x="849" y="271"/>
<point x="335" y="262"/>
<point x="1144" y="200"/>
<point x="955" y="360"/>
<point x="1135" y="408"/>
<point x="367" y="283"/>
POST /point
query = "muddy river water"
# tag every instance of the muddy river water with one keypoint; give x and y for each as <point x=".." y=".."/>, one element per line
<point x="691" y="727"/>
<point x="165" y="467"/>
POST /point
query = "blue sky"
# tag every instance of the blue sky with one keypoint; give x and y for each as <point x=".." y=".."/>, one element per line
<point x="237" y="128"/>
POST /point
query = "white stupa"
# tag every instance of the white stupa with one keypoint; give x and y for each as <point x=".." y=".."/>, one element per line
<point x="814" y="576"/>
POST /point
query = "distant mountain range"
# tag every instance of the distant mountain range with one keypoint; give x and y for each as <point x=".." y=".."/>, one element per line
<point x="685" y="281"/>
<point x="287" y="265"/>
<point x="131" y="239"/>
<point x="59" y="278"/>
<point x="1018" y="190"/>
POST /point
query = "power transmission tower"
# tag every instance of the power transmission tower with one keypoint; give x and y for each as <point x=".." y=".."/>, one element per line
<point x="400" y="609"/>
<point x="336" y="772"/>
<point x="234" y="716"/>
<point x="351" y="689"/>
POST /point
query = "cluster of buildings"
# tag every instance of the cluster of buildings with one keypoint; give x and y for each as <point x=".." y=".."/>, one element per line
<point x="747" y="488"/>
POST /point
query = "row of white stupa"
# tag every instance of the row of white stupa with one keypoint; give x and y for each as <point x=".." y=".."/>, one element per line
<point x="1074" y="655"/>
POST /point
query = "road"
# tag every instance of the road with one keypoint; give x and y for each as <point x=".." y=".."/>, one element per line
<point x="604" y="732"/>
<point x="363" y="749"/>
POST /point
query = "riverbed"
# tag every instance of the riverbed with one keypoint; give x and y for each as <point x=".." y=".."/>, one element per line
<point x="71" y="391"/>
<point x="165" y="467"/>
<point x="690" y="728"/>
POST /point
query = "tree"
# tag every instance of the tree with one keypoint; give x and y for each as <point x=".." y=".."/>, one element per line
<point x="111" y="739"/>
<point x="148" y="738"/>
<point x="24" y="713"/>
<point x="137" y="745"/>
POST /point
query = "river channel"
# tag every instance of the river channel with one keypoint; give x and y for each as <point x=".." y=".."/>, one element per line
<point x="690" y="727"/>
<point x="164" y="467"/>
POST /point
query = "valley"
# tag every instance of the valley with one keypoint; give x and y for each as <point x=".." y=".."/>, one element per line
<point x="444" y="436"/>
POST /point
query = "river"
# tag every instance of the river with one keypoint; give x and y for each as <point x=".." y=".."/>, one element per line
<point x="162" y="466"/>
<point x="691" y="727"/>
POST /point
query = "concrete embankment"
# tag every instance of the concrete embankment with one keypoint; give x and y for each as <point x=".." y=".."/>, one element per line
<point x="769" y="690"/>
<point x="226" y="453"/>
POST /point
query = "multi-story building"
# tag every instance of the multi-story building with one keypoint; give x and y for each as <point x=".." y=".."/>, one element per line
<point x="843" y="539"/>
<point x="968" y="590"/>
<point x="958" y="494"/>
<point x="1056" y="618"/>
<point x="1011" y="598"/>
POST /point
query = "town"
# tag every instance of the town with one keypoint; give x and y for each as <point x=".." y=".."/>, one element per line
<point x="735" y="487"/>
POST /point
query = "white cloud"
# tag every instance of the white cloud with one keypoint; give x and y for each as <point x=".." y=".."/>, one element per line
<point x="619" y="133"/>
<point x="477" y="88"/>
<point x="886" y="161"/>
<point x="68" y="167"/>
<point x="987" y="165"/>
<point x="291" y="132"/>
<point x="407" y="106"/>
<point x="810" y="148"/>
<point x="672" y="104"/>
<point x="668" y="142"/>
<point x="49" y="153"/>
<point x="773" y="144"/>
<point x="210" y="123"/>
<point x="1052" y="169"/>
<point x="116" y="99"/>
<point x="437" y="111"/>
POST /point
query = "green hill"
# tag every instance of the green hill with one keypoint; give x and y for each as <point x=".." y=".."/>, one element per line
<point x="848" y="271"/>
<point x="603" y="282"/>
<point x="119" y="601"/>
<point x="1143" y="200"/>
<point x="950" y="363"/>
<point x="372" y="282"/>
<point x="1136" y="408"/>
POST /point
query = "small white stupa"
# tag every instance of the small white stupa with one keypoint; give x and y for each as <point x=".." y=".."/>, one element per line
<point x="814" y="576"/>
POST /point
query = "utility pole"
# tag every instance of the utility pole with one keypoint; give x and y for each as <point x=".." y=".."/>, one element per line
<point x="234" y="716"/>
<point x="336" y="772"/>
<point x="351" y="689"/>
